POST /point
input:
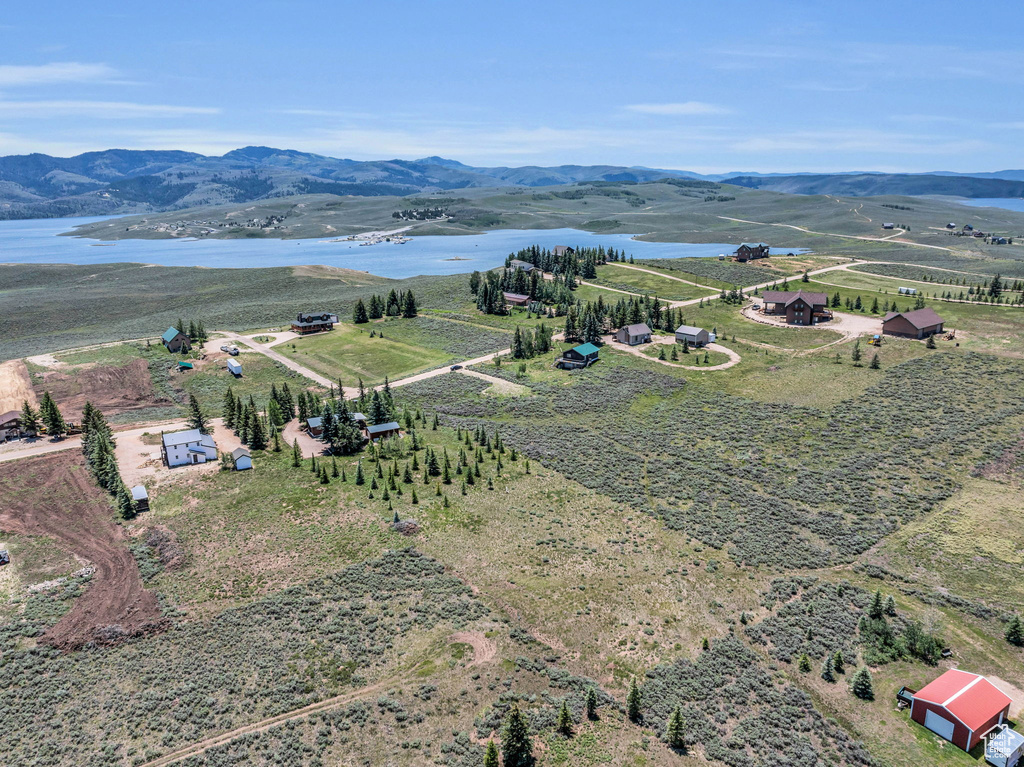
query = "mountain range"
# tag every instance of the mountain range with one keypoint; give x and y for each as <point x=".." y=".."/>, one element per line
<point x="119" y="181"/>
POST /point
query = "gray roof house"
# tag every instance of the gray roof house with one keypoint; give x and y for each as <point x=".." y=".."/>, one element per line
<point x="639" y="333"/>
<point x="525" y="266"/>
<point x="382" y="430"/>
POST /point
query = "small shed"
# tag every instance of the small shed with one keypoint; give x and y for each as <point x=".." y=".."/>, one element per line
<point x="694" y="336"/>
<point x="235" y="368"/>
<point x="887" y="225"/>
<point x="141" y="498"/>
<point x="358" y="419"/>
<point x="1004" y="747"/>
<point x="184" y="366"/>
<point x="638" y="333"/>
<point x="908" y="291"/>
<point x="383" y="430"/>
<point x="315" y="426"/>
<point x="960" y="707"/>
<point x="242" y="458"/>
<point x="951" y="225"/>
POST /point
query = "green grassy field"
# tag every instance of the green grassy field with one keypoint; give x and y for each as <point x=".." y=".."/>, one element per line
<point x="635" y="281"/>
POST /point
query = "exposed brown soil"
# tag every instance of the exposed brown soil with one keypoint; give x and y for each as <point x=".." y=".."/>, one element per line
<point x="15" y="386"/>
<point x="484" y="649"/>
<point x="53" y="495"/>
<point x="112" y="389"/>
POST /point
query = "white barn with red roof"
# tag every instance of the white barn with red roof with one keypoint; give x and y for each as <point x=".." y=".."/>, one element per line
<point x="960" y="707"/>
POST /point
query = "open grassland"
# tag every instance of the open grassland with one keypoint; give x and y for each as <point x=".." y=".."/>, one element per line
<point x="636" y="281"/>
<point x="46" y="308"/>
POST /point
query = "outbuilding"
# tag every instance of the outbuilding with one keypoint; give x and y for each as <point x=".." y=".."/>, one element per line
<point x="242" y="458"/>
<point x="141" y="498"/>
<point x="516" y="299"/>
<point x="315" y="426"/>
<point x="961" y="707"/>
<point x="694" y="336"/>
<point x="887" y="225"/>
<point x="919" y="323"/>
<point x="235" y="368"/>
<point x="383" y="431"/>
<point x="639" y="333"/>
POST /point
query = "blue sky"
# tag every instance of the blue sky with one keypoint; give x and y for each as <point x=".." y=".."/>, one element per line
<point x="725" y="85"/>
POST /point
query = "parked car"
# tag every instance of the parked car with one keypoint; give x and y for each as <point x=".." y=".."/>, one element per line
<point x="234" y="351"/>
<point x="225" y="348"/>
<point x="456" y="367"/>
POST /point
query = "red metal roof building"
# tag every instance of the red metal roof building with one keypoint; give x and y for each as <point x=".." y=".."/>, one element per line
<point x="960" y="707"/>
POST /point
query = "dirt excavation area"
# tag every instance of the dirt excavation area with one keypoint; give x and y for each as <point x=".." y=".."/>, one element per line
<point x="112" y="389"/>
<point x="55" y="496"/>
<point x="15" y="386"/>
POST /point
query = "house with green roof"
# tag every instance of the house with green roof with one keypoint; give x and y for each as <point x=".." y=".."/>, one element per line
<point x="581" y="356"/>
<point x="175" y="341"/>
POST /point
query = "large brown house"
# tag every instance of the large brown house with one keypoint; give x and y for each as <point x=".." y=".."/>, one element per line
<point x="919" y="323"/>
<point x="748" y="251"/>
<point x="799" y="306"/>
<point x="314" y="322"/>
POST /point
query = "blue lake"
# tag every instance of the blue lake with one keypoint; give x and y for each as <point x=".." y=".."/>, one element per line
<point x="1008" y="203"/>
<point x="36" y="242"/>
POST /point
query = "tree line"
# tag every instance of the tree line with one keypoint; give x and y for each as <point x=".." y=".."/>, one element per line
<point x="401" y="303"/>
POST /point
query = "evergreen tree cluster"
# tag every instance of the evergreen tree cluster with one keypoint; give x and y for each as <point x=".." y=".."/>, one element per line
<point x="98" y="448"/>
<point x="397" y="303"/>
<point x="195" y="331"/>
<point x="527" y="344"/>
<point x="50" y="416"/>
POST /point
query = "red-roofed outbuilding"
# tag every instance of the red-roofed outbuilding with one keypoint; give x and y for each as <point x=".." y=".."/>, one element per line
<point x="960" y="707"/>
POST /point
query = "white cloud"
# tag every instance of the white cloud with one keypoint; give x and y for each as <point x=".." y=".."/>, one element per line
<point x="679" y="108"/>
<point x="111" y="110"/>
<point x="58" y="72"/>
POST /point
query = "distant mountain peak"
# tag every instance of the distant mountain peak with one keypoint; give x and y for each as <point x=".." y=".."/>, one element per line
<point x="263" y="153"/>
<point x="444" y="162"/>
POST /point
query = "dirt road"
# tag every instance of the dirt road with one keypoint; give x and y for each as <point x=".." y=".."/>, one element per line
<point x="64" y="503"/>
<point x="734" y="358"/>
<point x="805" y="230"/>
<point x="660" y="274"/>
<point x="278" y="357"/>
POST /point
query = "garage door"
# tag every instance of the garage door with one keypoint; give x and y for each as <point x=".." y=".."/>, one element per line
<point x="939" y="725"/>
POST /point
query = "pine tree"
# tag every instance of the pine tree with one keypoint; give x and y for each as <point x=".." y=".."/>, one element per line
<point x="564" y="724"/>
<point x="196" y="419"/>
<point x="828" y="671"/>
<point x="877" y="608"/>
<point x="874" y="364"/>
<point x="415" y="498"/>
<point x="296" y="454"/>
<point x="360" y="478"/>
<point x="930" y="343"/>
<point x="838" y="664"/>
<point x="805" y="663"/>
<point x="856" y="354"/>
<point x="29" y="419"/>
<point x="590" y="702"/>
<point x="359" y="313"/>
<point x="491" y="756"/>
<point x="409" y="305"/>
<point x="1015" y="632"/>
<point x="633" y="702"/>
<point x="516" y="746"/>
<point x="860" y="684"/>
<point x="125" y="502"/>
<point x="228" y="409"/>
<point x="675" y="730"/>
<point x="257" y="435"/>
<point x="890" y="606"/>
<point x="334" y="468"/>
<point x="51" y="416"/>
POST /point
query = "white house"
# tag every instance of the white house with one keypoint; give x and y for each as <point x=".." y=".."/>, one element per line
<point x="185" y="447"/>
